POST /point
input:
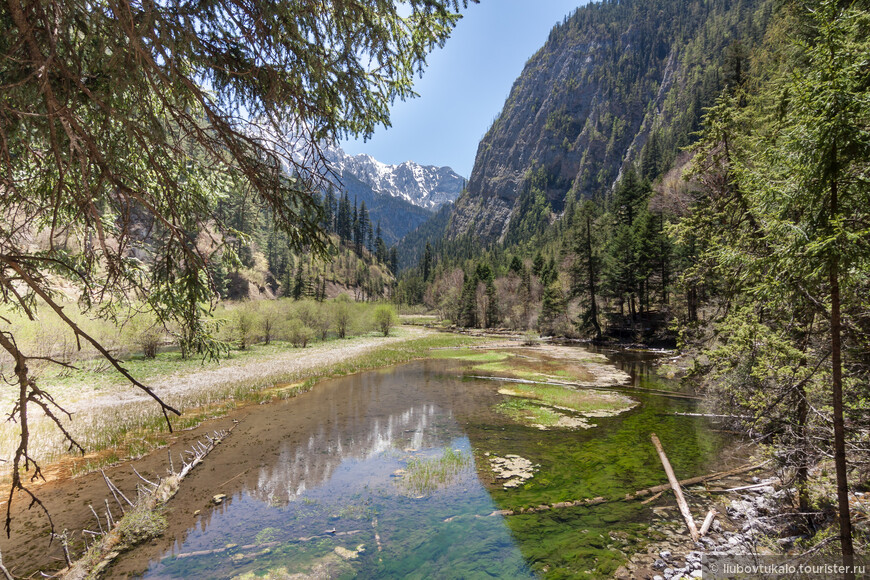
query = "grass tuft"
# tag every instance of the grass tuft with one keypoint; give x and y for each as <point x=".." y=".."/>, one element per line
<point x="424" y="475"/>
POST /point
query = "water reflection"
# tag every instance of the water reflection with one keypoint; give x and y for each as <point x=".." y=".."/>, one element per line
<point x="316" y="491"/>
<point x="326" y="495"/>
<point x="298" y="468"/>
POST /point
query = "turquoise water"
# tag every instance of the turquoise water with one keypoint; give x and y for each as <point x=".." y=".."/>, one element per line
<point x="325" y="499"/>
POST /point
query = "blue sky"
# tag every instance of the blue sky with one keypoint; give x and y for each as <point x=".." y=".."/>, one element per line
<point x="465" y="85"/>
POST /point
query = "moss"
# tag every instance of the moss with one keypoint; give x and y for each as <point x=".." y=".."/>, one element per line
<point x="585" y="401"/>
<point x="139" y="525"/>
<point x="527" y="412"/>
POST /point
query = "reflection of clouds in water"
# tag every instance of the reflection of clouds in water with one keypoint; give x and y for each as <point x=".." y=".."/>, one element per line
<point x="309" y="465"/>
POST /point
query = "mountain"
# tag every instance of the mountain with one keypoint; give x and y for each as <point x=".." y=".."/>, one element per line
<point x="616" y="83"/>
<point x="425" y="186"/>
<point x="411" y="247"/>
<point x="396" y="216"/>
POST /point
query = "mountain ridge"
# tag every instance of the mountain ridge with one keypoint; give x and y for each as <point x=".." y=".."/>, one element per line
<point x="426" y="186"/>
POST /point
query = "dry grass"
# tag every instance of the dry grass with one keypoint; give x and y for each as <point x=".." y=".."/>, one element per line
<point x="129" y="424"/>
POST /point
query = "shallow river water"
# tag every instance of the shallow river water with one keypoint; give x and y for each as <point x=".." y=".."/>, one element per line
<point x="321" y="484"/>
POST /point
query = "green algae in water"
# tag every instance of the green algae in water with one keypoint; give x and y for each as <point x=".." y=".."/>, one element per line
<point x="609" y="461"/>
<point x="450" y="533"/>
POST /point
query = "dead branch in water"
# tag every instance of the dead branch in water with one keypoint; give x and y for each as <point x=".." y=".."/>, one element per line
<point x="708" y="521"/>
<point x="654" y="491"/>
<point x="149" y="500"/>
<point x="675" y="484"/>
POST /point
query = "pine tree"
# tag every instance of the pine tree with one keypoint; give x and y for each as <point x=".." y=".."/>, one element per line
<point x="586" y="268"/>
<point x="426" y="263"/>
<point x="329" y="209"/>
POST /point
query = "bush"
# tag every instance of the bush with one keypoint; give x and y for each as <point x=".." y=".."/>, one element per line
<point x="343" y="316"/>
<point x="244" y="323"/>
<point x="150" y="340"/>
<point x="385" y="318"/>
<point x="298" y="334"/>
<point x="322" y="321"/>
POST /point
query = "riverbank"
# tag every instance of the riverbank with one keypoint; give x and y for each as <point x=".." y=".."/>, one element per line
<point x="612" y="455"/>
<point x="116" y="422"/>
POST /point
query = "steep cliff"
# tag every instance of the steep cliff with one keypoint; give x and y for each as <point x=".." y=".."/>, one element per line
<point x="587" y="103"/>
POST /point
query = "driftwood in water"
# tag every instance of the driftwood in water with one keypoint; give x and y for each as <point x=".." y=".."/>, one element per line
<point x="678" y="492"/>
<point x="653" y="491"/>
<point x="745" y="487"/>
<point x="707" y="522"/>
<point x="713" y="416"/>
<point x="264" y="545"/>
<point x="149" y="500"/>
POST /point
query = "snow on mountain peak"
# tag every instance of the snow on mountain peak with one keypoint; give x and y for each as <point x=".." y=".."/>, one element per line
<point x="423" y="185"/>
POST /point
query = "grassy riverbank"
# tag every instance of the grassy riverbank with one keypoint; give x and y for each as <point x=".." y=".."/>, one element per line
<point x="114" y="422"/>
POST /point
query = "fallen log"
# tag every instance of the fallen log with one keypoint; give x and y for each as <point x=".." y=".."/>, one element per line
<point x="657" y="489"/>
<point x="713" y="416"/>
<point x="708" y="521"/>
<point x="265" y="544"/>
<point x="745" y="487"/>
<point x="110" y="544"/>
<point x="678" y="492"/>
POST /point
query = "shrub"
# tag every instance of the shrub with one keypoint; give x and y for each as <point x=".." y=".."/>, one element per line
<point x="244" y="322"/>
<point x="343" y="316"/>
<point x="322" y="321"/>
<point x="298" y="333"/>
<point x="385" y="318"/>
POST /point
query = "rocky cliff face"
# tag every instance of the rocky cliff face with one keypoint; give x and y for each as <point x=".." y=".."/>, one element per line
<point x="587" y="102"/>
<point x="425" y="186"/>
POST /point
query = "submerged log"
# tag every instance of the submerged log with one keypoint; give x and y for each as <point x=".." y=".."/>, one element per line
<point x="111" y="542"/>
<point x="678" y="492"/>
<point x="655" y="491"/>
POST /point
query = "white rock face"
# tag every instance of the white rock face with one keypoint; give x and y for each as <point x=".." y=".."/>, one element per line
<point x="423" y="185"/>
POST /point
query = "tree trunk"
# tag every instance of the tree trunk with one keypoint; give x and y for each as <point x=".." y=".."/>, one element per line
<point x="837" y="388"/>
<point x="593" y="306"/>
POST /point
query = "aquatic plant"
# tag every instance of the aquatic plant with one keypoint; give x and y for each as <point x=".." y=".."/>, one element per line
<point x="424" y="475"/>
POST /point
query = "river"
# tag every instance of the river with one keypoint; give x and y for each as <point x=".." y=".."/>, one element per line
<point x="390" y="474"/>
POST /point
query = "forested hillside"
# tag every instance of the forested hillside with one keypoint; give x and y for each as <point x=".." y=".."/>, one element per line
<point x="258" y="260"/>
<point x="560" y="221"/>
<point x="706" y="185"/>
<point x="616" y="83"/>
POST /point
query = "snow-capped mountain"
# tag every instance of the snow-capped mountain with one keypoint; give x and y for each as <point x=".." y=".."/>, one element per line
<point x="425" y="186"/>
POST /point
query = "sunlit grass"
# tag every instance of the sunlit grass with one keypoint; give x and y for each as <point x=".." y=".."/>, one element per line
<point x="424" y="475"/>
<point x="585" y="401"/>
<point x="469" y="355"/>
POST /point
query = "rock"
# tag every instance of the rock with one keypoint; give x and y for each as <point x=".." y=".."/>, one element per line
<point x="346" y="554"/>
<point x="665" y="555"/>
<point x="659" y="564"/>
<point x="668" y="572"/>
<point x="697" y="574"/>
<point x="657" y="577"/>
<point x="219" y="498"/>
